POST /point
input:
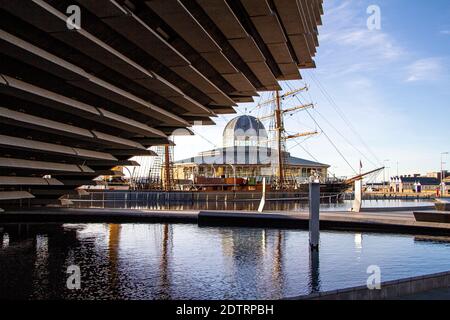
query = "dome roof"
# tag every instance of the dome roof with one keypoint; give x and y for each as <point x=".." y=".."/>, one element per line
<point x="244" y="131"/>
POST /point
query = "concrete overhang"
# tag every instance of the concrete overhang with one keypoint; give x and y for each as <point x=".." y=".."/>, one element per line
<point x="44" y="147"/>
<point x="132" y="152"/>
<point x="23" y="120"/>
<point x="33" y="93"/>
<point x="129" y="25"/>
<point x="15" y="195"/>
<point x="109" y="164"/>
<point x="133" y="74"/>
<point x="28" y="181"/>
<point x="32" y="165"/>
<point x="94" y="47"/>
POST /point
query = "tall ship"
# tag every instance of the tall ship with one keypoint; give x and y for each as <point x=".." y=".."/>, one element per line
<point x="253" y="153"/>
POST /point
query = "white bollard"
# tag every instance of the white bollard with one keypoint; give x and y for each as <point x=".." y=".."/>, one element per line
<point x="357" y="203"/>
<point x="263" y="197"/>
<point x="314" y="215"/>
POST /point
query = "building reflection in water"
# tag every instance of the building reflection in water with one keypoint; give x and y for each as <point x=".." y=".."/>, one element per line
<point x="165" y="287"/>
<point x="184" y="261"/>
<point x="41" y="267"/>
<point x="256" y="250"/>
<point x="27" y="272"/>
<point x="150" y="261"/>
<point x="108" y="201"/>
<point x="5" y="241"/>
<point x="277" y="273"/>
<point x="113" y="253"/>
<point x="153" y="280"/>
<point x="358" y="241"/>
<point x="246" y="255"/>
<point x="431" y="239"/>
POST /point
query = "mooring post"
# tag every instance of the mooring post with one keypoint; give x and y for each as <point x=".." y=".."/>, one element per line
<point x="314" y="215"/>
<point x="262" y="203"/>
<point x="357" y="203"/>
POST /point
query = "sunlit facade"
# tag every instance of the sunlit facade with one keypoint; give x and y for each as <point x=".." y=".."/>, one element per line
<point x="246" y="155"/>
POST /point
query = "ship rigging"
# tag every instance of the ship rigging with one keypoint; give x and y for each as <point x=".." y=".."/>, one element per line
<point x="283" y="172"/>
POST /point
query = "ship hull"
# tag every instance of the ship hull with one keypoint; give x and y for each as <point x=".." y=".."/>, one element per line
<point x="334" y="188"/>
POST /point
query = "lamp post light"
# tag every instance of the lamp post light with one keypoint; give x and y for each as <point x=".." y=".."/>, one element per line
<point x="131" y="176"/>
<point x="442" y="173"/>
<point x="397" y="170"/>
<point x="384" y="173"/>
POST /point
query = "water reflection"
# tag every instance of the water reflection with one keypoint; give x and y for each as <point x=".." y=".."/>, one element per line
<point x="165" y="261"/>
<point x="358" y="241"/>
<point x="314" y="267"/>
<point x="5" y="241"/>
<point x="113" y="251"/>
<point x="164" y="265"/>
<point x="432" y="239"/>
<point x="117" y="201"/>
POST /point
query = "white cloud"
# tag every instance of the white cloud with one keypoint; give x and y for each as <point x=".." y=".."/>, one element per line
<point x="428" y="69"/>
<point x="347" y="46"/>
<point x="372" y="43"/>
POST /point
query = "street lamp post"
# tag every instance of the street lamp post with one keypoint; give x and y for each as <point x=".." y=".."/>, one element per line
<point x="397" y="170"/>
<point x="442" y="173"/>
<point x="384" y="173"/>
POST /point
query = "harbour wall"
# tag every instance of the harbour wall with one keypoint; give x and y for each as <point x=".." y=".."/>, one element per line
<point x="389" y="290"/>
<point x="193" y="197"/>
<point x="219" y="196"/>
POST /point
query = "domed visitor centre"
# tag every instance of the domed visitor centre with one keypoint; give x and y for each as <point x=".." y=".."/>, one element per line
<point x="245" y="158"/>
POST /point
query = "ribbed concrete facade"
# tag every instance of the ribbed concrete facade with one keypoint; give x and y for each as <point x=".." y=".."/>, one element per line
<point x="75" y="103"/>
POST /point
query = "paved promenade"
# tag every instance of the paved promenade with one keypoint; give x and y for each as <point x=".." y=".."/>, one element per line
<point x="384" y="221"/>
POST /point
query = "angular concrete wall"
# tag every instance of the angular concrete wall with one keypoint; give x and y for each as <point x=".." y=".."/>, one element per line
<point x="75" y="103"/>
<point x="390" y="290"/>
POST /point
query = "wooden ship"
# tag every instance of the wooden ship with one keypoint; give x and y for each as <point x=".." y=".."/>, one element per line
<point x="250" y="156"/>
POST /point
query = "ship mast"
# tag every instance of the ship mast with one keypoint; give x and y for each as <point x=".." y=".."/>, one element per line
<point x="279" y="128"/>
<point x="167" y="169"/>
<point x="278" y="115"/>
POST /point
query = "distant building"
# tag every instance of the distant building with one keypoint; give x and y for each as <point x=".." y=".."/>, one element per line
<point x="445" y="174"/>
<point x="375" y="186"/>
<point x="415" y="184"/>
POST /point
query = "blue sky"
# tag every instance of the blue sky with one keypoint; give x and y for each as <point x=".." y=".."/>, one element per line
<point x="392" y="85"/>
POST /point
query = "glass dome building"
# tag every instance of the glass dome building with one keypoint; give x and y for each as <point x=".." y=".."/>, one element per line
<point x="245" y="159"/>
<point x="245" y="131"/>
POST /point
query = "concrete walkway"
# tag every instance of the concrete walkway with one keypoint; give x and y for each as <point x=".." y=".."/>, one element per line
<point x="395" y="221"/>
<point x="106" y="215"/>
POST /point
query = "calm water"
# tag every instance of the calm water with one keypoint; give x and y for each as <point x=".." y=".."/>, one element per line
<point x="245" y="205"/>
<point x="176" y="261"/>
